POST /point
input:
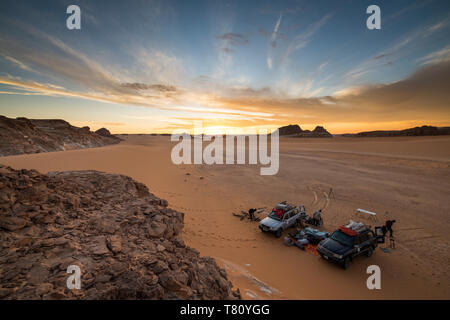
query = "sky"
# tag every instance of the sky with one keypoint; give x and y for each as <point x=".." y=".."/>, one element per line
<point x="156" y="66"/>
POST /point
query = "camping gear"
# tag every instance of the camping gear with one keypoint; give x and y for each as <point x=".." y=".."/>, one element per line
<point x="366" y="214"/>
<point x="252" y="216"/>
<point x="356" y="226"/>
<point x="316" y="233"/>
<point x="306" y="236"/>
<point x="380" y="233"/>
<point x="348" y="231"/>
<point x="314" y="221"/>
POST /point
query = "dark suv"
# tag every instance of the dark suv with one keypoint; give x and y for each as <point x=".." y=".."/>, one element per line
<point x="342" y="247"/>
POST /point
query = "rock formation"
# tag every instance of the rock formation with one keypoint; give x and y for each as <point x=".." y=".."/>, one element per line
<point x="297" y="132"/>
<point x="291" y="129"/>
<point x="126" y="241"/>
<point x="103" y="132"/>
<point x="22" y="135"/>
<point x="417" y="131"/>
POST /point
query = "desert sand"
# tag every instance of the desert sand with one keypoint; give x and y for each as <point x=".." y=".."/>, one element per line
<point x="402" y="178"/>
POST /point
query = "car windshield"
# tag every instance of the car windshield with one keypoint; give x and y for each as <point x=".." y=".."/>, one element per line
<point x="342" y="238"/>
<point x="274" y="216"/>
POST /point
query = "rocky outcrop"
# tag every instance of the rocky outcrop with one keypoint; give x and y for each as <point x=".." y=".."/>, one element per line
<point x="318" y="132"/>
<point x="297" y="132"/>
<point x="103" y="132"/>
<point x="417" y="131"/>
<point x="126" y="241"/>
<point x="22" y="135"/>
<point x="291" y="129"/>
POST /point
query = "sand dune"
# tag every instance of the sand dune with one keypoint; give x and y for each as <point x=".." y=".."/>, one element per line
<point x="405" y="178"/>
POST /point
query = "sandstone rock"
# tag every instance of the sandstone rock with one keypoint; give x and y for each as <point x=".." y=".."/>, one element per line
<point x="103" y="132"/>
<point x="98" y="245"/>
<point x="115" y="244"/>
<point x="12" y="223"/>
<point x="291" y="129"/>
<point x="125" y="241"/>
<point x="44" y="288"/>
<point x="417" y="131"/>
<point x="23" y="135"/>
<point x="157" y="229"/>
<point x="297" y="132"/>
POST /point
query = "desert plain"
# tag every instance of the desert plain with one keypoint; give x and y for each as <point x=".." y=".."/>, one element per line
<point x="401" y="178"/>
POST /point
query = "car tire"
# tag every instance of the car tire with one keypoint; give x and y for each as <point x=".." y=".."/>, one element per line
<point x="278" y="233"/>
<point x="369" y="252"/>
<point x="346" y="263"/>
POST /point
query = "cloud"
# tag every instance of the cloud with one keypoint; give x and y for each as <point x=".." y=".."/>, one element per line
<point x="273" y="38"/>
<point x="403" y="46"/>
<point x="442" y="55"/>
<point x="422" y="97"/>
<point x="162" y="67"/>
<point x="273" y="42"/>
<point x="155" y="87"/>
<point x="302" y="39"/>
<point x="21" y="65"/>
<point x="234" y="39"/>
<point x="228" y="50"/>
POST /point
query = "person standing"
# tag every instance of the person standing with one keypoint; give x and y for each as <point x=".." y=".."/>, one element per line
<point x="389" y="225"/>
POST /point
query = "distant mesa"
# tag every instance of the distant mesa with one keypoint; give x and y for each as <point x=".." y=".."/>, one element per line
<point x="22" y="135"/>
<point x="294" y="130"/>
<point x="290" y="130"/>
<point x="416" y="131"/>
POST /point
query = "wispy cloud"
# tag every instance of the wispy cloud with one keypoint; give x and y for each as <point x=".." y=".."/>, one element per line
<point x="404" y="45"/>
<point x="273" y="42"/>
<point x="442" y="55"/>
<point x="21" y="65"/>
<point x="302" y="39"/>
<point x="231" y="39"/>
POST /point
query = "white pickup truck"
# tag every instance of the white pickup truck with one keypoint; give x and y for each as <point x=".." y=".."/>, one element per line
<point x="277" y="223"/>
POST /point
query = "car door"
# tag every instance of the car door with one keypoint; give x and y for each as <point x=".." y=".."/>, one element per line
<point x="292" y="217"/>
<point x="362" y="243"/>
<point x="286" y="219"/>
<point x="379" y="234"/>
<point x="356" y="246"/>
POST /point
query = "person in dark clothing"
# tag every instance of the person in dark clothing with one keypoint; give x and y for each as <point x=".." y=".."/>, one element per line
<point x="251" y="213"/>
<point x="389" y="225"/>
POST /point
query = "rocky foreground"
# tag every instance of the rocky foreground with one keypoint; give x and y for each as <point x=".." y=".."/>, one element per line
<point x="22" y="135"/>
<point x="125" y="240"/>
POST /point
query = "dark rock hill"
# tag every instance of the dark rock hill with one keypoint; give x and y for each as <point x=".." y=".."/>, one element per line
<point x="291" y="129"/>
<point x="297" y="132"/>
<point x="22" y="135"/>
<point x="417" y="131"/>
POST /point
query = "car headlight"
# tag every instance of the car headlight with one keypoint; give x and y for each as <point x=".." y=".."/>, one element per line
<point x="339" y="256"/>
